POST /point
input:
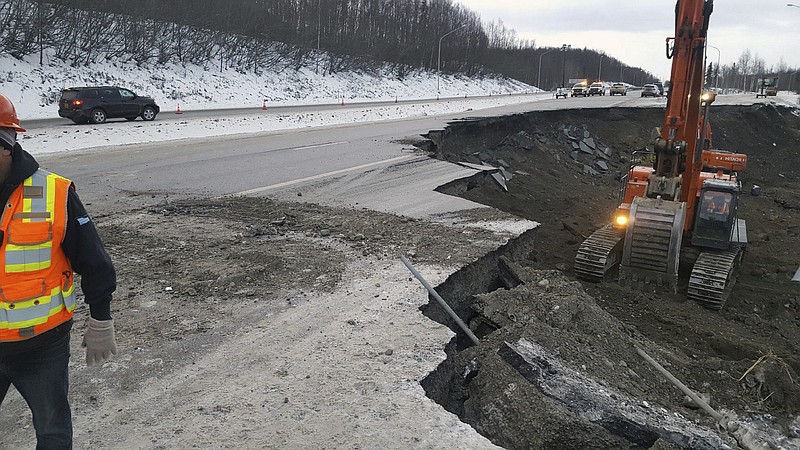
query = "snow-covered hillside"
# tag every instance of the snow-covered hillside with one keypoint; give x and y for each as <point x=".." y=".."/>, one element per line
<point x="35" y="90"/>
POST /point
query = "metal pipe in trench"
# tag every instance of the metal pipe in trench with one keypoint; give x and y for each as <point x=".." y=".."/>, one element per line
<point x="441" y="301"/>
<point x="697" y="400"/>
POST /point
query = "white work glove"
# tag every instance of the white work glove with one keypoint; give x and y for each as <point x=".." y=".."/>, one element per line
<point x="99" y="341"/>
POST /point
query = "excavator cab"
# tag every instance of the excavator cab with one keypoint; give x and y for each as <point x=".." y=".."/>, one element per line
<point x="715" y="217"/>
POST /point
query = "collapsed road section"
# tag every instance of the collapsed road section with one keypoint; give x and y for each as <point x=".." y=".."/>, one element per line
<point x="557" y="365"/>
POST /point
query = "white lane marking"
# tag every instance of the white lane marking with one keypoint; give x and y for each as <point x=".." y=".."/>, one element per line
<point x="315" y="146"/>
<point x="323" y="175"/>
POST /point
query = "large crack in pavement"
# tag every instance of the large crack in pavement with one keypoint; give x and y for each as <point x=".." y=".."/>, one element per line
<point x="744" y="359"/>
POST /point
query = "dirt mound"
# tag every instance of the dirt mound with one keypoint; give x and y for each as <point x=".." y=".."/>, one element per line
<point x="744" y="358"/>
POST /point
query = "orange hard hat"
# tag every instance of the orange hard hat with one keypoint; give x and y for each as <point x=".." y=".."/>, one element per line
<point x="8" y="115"/>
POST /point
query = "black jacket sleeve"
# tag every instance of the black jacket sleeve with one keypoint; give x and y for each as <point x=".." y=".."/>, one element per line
<point x="85" y="251"/>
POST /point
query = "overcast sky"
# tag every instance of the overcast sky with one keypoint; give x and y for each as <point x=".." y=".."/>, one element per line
<point x="634" y="31"/>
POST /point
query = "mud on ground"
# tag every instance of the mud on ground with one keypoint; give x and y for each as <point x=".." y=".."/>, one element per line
<point x="252" y="323"/>
<point x="744" y="358"/>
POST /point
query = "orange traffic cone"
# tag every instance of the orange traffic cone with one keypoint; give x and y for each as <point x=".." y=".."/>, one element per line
<point x="178" y="111"/>
<point x="342" y="101"/>
<point x="264" y="106"/>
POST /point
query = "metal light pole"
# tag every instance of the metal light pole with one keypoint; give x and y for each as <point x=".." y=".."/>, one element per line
<point x="439" y="58"/>
<point x="539" y="78"/>
<point x="716" y="76"/>
<point x="600" y="71"/>
<point x="563" y="49"/>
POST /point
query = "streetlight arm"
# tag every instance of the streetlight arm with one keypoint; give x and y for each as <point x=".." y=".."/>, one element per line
<point x="539" y="78"/>
<point x="439" y="60"/>
<point x="439" y="57"/>
<point x="450" y="32"/>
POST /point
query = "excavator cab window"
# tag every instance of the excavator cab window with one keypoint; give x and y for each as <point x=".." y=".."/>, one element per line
<point x="714" y="218"/>
<point x="716" y="205"/>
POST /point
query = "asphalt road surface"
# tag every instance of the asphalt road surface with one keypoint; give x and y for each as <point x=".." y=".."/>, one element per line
<point x="342" y="165"/>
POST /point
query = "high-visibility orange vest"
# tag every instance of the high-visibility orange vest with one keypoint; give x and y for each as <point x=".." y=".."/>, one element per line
<point x="36" y="282"/>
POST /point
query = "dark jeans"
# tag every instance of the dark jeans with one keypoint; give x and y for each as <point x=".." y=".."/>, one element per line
<point x="41" y="377"/>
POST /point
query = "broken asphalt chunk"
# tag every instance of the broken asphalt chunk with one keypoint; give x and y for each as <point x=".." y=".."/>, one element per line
<point x="480" y="167"/>
<point x="590" y="143"/>
<point x="498" y="177"/>
<point x="585" y="148"/>
<point x="600" y="405"/>
<point x="506" y="174"/>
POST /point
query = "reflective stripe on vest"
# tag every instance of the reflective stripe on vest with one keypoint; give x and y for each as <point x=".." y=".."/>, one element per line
<point x="36" y="311"/>
<point x="36" y="288"/>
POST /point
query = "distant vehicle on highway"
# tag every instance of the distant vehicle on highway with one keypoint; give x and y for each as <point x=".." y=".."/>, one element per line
<point x="597" y="88"/>
<point x="660" y="87"/>
<point x="650" y="90"/>
<point x="618" y="89"/>
<point x="580" y="89"/>
<point x="98" y="103"/>
<point x="562" y="92"/>
<point x="767" y="87"/>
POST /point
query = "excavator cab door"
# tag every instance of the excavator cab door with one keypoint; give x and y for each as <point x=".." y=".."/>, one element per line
<point x="715" y="216"/>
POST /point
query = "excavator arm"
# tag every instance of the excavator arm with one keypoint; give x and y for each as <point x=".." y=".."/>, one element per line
<point x="678" y="147"/>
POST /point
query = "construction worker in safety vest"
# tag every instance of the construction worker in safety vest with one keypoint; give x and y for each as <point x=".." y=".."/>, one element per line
<point x="46" y="236"/>
<point x="717" y="204"/>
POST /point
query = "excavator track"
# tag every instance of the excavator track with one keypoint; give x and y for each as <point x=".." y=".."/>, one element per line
<point x="651" y="251"/>
<point x="599" y="253"/>
<point x="713" y="276"/>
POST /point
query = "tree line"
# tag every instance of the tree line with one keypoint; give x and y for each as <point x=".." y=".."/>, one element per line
<point x="744" y="74"/>
<point x="331" y="35"/>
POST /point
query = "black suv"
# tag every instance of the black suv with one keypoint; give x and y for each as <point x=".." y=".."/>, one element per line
<point x="96" y="104"/>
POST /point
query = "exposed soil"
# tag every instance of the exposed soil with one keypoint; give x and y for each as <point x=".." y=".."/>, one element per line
<point x="744" y="358"/>
<point x="252" y="323"/>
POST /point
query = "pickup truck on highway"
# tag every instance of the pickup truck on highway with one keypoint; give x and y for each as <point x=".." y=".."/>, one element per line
<point x="618" y="88"/>
<point x="580" y="89"/>
<point x="597" y="88"/>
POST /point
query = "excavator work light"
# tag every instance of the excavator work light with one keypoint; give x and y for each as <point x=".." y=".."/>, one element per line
<point x="708" y="97"/>
<point x="621" y="220"/>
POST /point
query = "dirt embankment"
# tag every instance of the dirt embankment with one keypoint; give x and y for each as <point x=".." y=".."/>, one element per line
<point x="744" y="358"/>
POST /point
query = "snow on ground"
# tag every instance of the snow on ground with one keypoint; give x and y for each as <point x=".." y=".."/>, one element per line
<point x="169" y="126"/>
<point x="35" y="90"/>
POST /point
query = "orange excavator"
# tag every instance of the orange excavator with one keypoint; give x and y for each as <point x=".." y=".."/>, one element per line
<point x="682" y="208"/>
